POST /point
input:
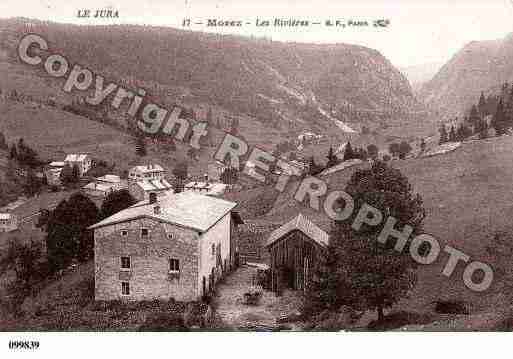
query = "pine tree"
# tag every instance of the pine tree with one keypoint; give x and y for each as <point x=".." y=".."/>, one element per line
<point x="499" y="121"/>
<point x="444" y="137"/>
<point x="422" y="145"/>
<point x="209" y="116"/>
<point x="116" y="201"/>
<point x="373" y="151"/>
<point x="452" y="134"/>
<point x="348" y="152"/>
<point x="332" y="159"/>
<point x="3" y="142"/>
<point x="32" y="183"/>
<point x="481" y="106"/>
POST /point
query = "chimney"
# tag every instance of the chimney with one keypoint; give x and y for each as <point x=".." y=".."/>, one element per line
<point x="153" y="198"/>
<point x="156" y="209"/>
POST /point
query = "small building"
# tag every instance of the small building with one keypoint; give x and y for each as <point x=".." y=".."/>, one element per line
<point x="206" y="187"/>
<point x="8" y="222"/>
<point x="52" y="173"/>
<point x="104" y="185"/>
<point x="148" y="172"/>
<point x="295" y="249"/>
<point x="82" y="161"/>
<point x="143" y="180"/>
<point x="177" y="246"/>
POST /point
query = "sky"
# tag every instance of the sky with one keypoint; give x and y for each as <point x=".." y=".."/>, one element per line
<point x="420" y="31"/>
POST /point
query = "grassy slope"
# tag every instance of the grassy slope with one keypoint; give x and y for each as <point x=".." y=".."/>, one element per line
<point x="468" y="195"/>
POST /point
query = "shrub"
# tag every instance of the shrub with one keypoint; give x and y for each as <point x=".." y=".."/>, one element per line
<point x="157" y="322"/>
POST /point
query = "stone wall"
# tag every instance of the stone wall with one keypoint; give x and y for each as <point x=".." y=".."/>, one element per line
<point x="149" y="275"/>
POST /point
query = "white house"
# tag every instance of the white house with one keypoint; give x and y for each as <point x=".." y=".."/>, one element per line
<point x="174" y="246"/>
<point x="143" y="180"/>
<point x="8" y="222"/>
<point x="104" y="185"/>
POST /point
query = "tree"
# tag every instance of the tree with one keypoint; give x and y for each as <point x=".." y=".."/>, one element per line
<point x="140" y="146"/>
<point x="229" y="175"/>
<point x="394" y="149"/>
<point x="115" y="202"/>
<point x="32" y="184"/>
<point x="180" y="174"/>
<point x="444" y="137"/>
<point x="452" y="134"/>
<point x="332" y="159"/>
<point x="313" y="168"/>
<point x="348" y="152"/>
<point x="404" y="149"/>
<point x="68" y="236"/>
<point x="13" y="153"/>
<point x="499" y="121"/>
<point x="373" y="151"/>
<point x="209" y="117"/>
<point x="357" y="270"/>
<point x="23" y="259"/>
<point x="422" y="145"/>
<point x="3" y="142"/>
<point x="481" y="106"/>
<point x="474" y="116"/>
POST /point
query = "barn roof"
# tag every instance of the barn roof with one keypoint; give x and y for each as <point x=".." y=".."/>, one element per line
<point x="187" y="209"/>
<point x="302" y="224"/>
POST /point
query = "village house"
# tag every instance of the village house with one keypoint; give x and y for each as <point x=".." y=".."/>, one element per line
<point x="104" y="185"/>
<point x="174" y="246"/>
<point x="8" y="222"/>
<point x="143" y="180"/>
<point x="82" y="161"/>
<point x="206" y="187"/>
<point x="52" y="173"/>
<point x="294" y="250"/>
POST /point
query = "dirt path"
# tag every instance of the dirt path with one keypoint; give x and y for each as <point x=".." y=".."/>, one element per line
<point x="235" y="315"/>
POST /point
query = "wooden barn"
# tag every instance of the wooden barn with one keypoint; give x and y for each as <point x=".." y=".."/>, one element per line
<point x="295" y="249"/>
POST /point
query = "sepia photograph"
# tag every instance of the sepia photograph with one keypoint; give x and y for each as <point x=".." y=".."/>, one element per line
<point x="223" y="167"/>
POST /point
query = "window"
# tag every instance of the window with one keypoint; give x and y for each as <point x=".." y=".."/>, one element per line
<point x="125" y="262"/>
<point x="174" y="265"/>
<point x="213" y="250"/>
<point x="124" y="232"/>
<point x="144" y="232"/>
<point x="125" y="288"/>
<point x="170" y="235"/>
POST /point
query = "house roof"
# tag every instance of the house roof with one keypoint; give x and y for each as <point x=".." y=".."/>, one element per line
<point x="154" y="185"/>
<point x="187" y="209"/>
<point x="110" y="179"/>
<point x="149" y="168"/>
<point x="73" y="157"/>
<point x="104" y="187"/>
<point x="57" y="164"/>
<point x="302" y="224"/>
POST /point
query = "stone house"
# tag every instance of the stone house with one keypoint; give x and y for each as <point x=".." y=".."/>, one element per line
<point x="102" y="186"/>
<point x="174" y="246"/>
